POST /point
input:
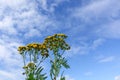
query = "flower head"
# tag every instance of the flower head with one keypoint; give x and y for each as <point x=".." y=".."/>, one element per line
<point x="31" y="65"/>
<point x="21" y="49"/>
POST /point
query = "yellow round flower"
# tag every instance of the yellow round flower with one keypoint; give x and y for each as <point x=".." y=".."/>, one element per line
<point x="49" y="37"/>
<point x="34" y="45"/>
<point x="25" y="67"/>
<point x="43" y="46"/>
<point x="31" y="65"/>
<point x="21" y="48"/>
<point x="45" y="54"/>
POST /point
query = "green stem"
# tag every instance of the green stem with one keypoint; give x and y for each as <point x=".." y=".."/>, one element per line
<point x="41" y="61"/>
<point x="30" y="54"/>
<point x="63" y="52"/>
<point x="23" y="59"/>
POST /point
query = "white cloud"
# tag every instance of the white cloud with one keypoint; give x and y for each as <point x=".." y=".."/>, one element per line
<point x="11" y="3"/>
<point x="104" y="14"/>
<point x="6" y="25"/>
<point x="96" y="43"/>
<point x="3" y="75"/>
<point x="110" y="30"/>
<point x="32" y="32"/>
<point x="51" y="6"/>
<point x="8" y="53"/>
<point x="117" y="77"/>
<point x="22" y="17"/>
<point x="11" y="75"/>
<point x="11" y="61"/>
<point x="98" y="8"/>
<point x="84" y="48"/>
<point x="88" y="73"/>
<point x="106" y="59"/>
<point x="43" y="4"/>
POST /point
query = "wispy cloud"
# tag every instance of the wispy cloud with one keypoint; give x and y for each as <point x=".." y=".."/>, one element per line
<point x="50" y="6"/>
<point x="22" y="17"/>
<point x="106" y="59"/>
<point x="85" y="47"/>
<point x="117" y="77"/>
<point x="11" y="75"/>
<point x="101" y="16"/>
<point x="3" y="75"/>
<point x="110" y="30"/>
<point x="96" y="43"/>
<point x="97" y="9"/>
<point x="89" y="73"/>
<point x="10" y="60"/>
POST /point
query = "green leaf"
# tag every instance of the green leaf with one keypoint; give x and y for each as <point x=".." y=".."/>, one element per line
<point x="62" y="78"/>
<point x="39" y="70"/>
<point x="64" y="63"/>
<point x="31" y="76"/>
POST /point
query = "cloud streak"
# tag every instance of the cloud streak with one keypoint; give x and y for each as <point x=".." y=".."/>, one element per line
<point x="10" y="60"/>
<point x="85" y="47"/>
<point x="89" y="73"/>
<point x="102" y="16"/>
<point x="22" y="17"/>
<point x="106" y="59"/>
<point x="117" y="77"/>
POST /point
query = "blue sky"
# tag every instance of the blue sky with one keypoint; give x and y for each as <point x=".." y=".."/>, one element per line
<point x="92" y="26"/>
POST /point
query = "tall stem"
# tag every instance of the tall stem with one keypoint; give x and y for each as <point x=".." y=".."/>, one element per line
<point x="23" y="59"/>
<point x="30" y="55"/>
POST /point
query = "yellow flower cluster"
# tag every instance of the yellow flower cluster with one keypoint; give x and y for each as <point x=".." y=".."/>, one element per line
<point x="51" y="42"/>
<point x="22" y="48"/>
<point x="32" y="45"/>
<point x="56" y="41"/>
<point x="61" y="35"/>
<point x="56" y="36"/>
<point x="35" y="46"/>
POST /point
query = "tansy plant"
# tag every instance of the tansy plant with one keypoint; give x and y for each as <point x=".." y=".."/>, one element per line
<point x="34" y="54"/>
